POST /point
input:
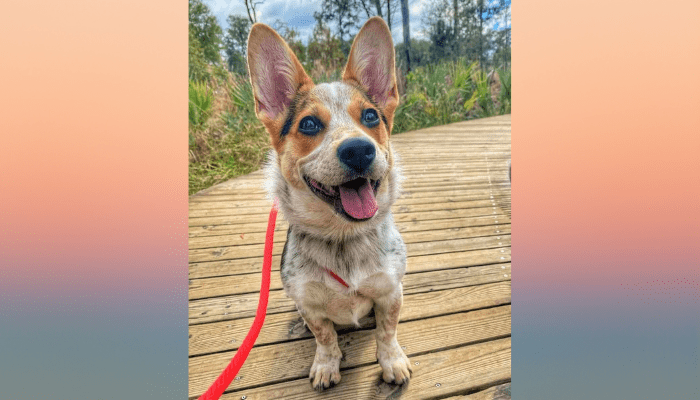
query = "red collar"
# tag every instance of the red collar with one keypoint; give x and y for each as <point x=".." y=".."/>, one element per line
<point x="336" y="277"/>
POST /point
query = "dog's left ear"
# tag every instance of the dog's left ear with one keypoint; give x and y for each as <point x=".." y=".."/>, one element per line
<point x="371" y="64"/>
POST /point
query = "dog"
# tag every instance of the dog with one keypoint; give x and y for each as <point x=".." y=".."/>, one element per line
<point x="335" y="176"/>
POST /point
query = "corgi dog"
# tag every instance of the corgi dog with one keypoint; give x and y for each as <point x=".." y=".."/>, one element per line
<point x="335" y="177"/>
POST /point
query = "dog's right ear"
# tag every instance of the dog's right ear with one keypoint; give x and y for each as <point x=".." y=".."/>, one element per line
<point x="275" y="74"/>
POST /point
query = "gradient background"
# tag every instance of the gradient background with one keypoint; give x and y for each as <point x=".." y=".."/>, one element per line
<point x="93" y="199"/>
<point x="606" y="198"/>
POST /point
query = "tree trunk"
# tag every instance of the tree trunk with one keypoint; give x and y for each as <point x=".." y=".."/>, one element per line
<point x="455" y="29"/>
<point x="378" y="6"/>
<point x="388" y="13"/>
<point x="455" y="18"/>
<point x="481" y="33"/>
<point x="406" y="34"/>
<point x="250" y="6"/>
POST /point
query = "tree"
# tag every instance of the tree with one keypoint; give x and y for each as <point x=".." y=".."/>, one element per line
<point x="442" y="39"/>
<point x="367" y="7"/>
<point x="486" y="10"/>
<point x="204" y="28"/>
<point x="324" y="51"/>
<point x="502" y="35"/>
<point x="197" y="62"/>
<point x="459" y="28"/>
<point x="391" y="5"/>
<point x="345" y="15"/>
<point x="250" y="6"/>
<point x="235" y="43"/>
<point x="406" y="34"/>
<point x="391" y="8"/>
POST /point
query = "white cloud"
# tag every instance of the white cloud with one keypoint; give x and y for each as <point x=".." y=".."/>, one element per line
<point x="299" y="15"/>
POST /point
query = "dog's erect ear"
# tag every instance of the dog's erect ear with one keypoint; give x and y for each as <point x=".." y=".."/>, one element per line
<point x="275" y="72"/>
<point x="371" y="63"/>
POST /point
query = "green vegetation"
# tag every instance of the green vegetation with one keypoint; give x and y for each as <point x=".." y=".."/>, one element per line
<point x="455" y="76"/>
<point x="201" y="99"/>
<point x="449" y="92"/>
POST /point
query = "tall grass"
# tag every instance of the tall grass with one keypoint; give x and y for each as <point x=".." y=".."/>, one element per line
<point x="450" y="92"/>
<point x="201" y="99"/>
<point x="233" y="142"/>
<point x="227" y="140"/>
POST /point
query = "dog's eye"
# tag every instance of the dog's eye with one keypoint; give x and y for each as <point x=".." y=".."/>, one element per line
<point x="370" y="117"/>
<point x="310" y="126"/>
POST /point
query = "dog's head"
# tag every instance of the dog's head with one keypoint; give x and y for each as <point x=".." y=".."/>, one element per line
<point x="331" y="140"/>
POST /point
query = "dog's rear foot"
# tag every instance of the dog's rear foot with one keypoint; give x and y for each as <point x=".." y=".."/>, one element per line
<point x="325" y="373"/>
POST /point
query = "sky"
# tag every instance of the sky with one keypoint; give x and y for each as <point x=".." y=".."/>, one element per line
<point x="299" y="15"/>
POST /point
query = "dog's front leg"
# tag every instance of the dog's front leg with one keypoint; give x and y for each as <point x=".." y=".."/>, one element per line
<point x="325" y="371"/>
<point x="395" y="365"/>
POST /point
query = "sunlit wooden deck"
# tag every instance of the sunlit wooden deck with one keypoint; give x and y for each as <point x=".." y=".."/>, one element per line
<point x="454" y="215"/>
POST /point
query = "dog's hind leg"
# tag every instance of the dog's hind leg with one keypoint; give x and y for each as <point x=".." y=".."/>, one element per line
<point x="325" y="371"/>
<point x="395" y="365"/>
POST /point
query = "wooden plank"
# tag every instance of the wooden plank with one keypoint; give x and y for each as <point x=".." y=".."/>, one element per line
<point x="251" y="194"/>
<point x="222" y="202"/>
<point x="456" y="370"/>
<point x="228" y="335"/>
<point x="418" y="263"/>
<point x="444" y="212"/>
<point x="405" y="194"/>
<point x="449" y="165"/>
<point x="292" y="360"/>
<point x="435" y="244"/>
<point x="257" y="185"/>
<point x="442" y="229"/>
<point x="455" y="166"/>
<point x="498" y="392"/>
<point x="415" y="171"/>
<point x="472" y="165"/>
<point x="244" y="305"/>
<point x="246" y="206"/>
<point x="250" y="283"/>
<point x="197" y="283"/>
<point x="397" y="208"/>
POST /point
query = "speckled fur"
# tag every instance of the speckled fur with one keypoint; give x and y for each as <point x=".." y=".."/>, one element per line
<point x="370" y="256"/>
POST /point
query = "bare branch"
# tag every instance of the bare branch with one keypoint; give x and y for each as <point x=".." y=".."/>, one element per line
<point x="250" y="8"/>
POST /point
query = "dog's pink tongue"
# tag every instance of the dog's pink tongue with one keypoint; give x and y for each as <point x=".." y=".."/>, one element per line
<point x="360" y="203"/>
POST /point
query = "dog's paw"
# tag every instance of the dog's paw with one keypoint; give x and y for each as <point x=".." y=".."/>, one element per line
<point x="395" y="365"/>
<point x="325" y="371"/>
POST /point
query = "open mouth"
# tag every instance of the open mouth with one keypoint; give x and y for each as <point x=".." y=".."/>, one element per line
<point x="355" y="199"/>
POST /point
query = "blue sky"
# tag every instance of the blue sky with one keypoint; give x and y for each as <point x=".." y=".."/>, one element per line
<point x="299" y="15"/>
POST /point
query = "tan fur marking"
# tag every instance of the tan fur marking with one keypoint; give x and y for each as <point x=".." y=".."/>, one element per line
<point x="359" y="103"/>
<point x="304" y="144"/>
<point x="324" y="332"/>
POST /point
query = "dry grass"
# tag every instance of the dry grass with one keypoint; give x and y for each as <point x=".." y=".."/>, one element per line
<point x="232" y="142"/>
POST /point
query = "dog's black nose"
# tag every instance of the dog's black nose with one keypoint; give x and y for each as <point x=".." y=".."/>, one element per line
<point x="356" y="153"/>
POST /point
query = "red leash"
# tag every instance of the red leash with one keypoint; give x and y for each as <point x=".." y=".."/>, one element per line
<point x="219" y="386"/>
<point x="336" y="277"/>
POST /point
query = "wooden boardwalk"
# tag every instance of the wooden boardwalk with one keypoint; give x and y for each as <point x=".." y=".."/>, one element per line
<point x="454" y="215"/>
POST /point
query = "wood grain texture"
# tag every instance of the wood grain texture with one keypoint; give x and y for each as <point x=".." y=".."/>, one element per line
<point x="498" y="392"/>
<point x="292" y="360"/>
<point x="454" y="215"/>
<point x="228" y="335"/>
<point x="455" y="370"/>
